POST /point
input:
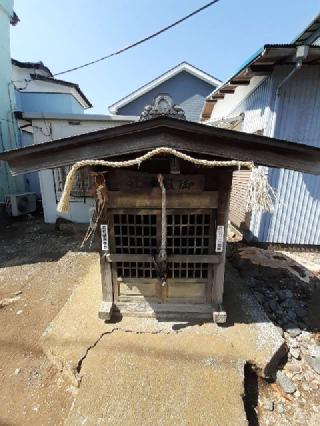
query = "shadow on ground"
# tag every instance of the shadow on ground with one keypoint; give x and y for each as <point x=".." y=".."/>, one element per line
<point x="27" y="240"/>
<point x="283" y="287"/>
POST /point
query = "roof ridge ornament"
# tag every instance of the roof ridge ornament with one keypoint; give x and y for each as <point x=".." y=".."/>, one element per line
<point x="162" y="106"/>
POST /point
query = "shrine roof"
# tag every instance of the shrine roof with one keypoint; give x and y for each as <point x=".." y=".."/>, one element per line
<point x="130" y="139"/>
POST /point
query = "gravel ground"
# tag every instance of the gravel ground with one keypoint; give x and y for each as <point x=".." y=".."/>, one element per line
<point x="286" y="285"/>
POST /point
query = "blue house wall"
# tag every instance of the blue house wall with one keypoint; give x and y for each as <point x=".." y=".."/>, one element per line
<point x="48" y="103"/>
<point x="44" y="103"/>
<point x="185" y="89"/>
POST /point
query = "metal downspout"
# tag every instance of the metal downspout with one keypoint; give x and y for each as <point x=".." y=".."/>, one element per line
<point x="297" y="66"/>
<point x="301" y="54"/>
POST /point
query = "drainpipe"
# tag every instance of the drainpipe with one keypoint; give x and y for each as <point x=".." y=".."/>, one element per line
<point x="301" y="54"/>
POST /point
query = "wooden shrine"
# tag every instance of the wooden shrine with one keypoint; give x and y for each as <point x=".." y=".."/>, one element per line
<point x="163" y="222"/>
<point x="139" y="279"/>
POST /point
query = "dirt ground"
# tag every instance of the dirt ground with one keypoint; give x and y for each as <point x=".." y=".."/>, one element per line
<point x="37" y="275"/>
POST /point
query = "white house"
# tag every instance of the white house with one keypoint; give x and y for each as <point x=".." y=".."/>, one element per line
<point x="48" y="127"/>
<point x="51" y="109"/>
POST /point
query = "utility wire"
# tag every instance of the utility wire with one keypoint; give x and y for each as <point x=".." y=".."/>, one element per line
<point x="130" y="46"/>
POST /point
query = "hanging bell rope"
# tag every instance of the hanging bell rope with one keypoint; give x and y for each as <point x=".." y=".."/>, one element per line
<point x="162" y="256"/>
<point x="259" y="189"/>
<point x="163" y="249"/>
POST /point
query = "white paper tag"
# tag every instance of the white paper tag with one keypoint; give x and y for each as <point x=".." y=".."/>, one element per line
<point x="104" y="238"/>
<point x="219" y="239"/>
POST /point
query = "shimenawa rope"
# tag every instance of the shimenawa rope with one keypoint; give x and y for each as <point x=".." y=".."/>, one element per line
<point x="259" y="183"/>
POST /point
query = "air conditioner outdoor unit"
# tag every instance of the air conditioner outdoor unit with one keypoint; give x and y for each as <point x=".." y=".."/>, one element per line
<point x="20" y="204"/>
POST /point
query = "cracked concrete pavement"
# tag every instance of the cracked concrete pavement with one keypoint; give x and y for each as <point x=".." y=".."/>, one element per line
<point x="159" y="379"/>
<point x="147" y="372"/>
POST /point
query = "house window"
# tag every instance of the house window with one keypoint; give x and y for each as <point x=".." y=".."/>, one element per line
<point x="83" y="184"/>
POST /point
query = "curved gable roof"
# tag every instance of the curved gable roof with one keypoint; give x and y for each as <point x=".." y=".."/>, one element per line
<point x="184" y="66"/>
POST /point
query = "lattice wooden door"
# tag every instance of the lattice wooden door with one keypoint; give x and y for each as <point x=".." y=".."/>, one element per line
<point x="135" y="237"/>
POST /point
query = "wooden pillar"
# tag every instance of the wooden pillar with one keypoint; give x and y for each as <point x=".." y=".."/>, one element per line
<point x="225" y="182"/>
<point x="106" y="306"/>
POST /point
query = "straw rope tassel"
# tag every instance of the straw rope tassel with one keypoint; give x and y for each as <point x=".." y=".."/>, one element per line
<point x="261" y="195"/>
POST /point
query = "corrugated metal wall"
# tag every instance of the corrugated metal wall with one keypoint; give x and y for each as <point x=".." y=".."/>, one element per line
<point x="256" y="107"/>
<point x="257" y="113"/>
<point x="296" y="218"/>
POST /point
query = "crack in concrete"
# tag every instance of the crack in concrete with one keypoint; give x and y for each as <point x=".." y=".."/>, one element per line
<point x="261" y="372"/>
<point x="82" y="359"/>
<point x="79" y="364"/>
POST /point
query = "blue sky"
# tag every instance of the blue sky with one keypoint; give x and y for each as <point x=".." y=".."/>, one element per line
<point x="66" y="33"/>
